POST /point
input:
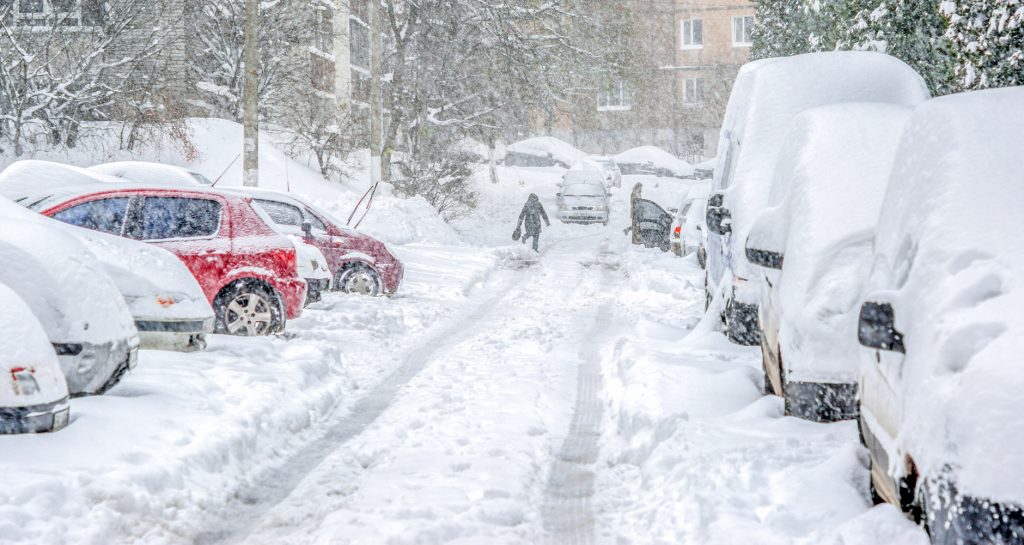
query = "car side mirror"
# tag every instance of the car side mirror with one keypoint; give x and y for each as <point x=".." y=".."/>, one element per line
<point x="764" y="258"/>
<point x="674" y="210"/>
<point x="718" y="218"/>
<point x="765" y="244"/>
<point x="307" y="228"/>
<point x="877" y="328"/>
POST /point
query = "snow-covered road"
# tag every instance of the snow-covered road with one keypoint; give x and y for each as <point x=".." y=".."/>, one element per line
<point x="502" y="398"/>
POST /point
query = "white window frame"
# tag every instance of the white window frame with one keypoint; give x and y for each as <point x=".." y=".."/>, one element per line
<point x="616" y="99"/>
<point x="49" y="15"/>
<point x="741" y="26"/>
<point x="686" y="33"/>
<point x="693" y="91"/>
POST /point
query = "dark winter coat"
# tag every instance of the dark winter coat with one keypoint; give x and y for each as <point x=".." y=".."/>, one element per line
<point x="532" y="213"/>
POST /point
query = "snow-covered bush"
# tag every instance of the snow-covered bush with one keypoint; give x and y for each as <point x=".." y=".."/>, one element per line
<point x="988" y="40"/>
<point x="437" y="168"/>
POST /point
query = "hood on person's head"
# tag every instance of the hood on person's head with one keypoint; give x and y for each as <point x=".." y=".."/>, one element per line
<point x="533" y="198"/>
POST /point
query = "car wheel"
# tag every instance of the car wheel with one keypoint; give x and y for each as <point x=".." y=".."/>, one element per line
<point x="360" y="280"/>
<point x="248" y="310"/>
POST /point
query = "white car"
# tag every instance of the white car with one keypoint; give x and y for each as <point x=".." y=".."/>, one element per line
<point x="33" y="392"/>
<point x="767" y="95"/>
<point x="583" y="199"/>
<point x="170" y="310"/>
<point x="606" y="165"/>
<point x="697" y="192"/>
<point x="941" y="381"/>
<point x="653" y="161"/>
<point x="155" y="174"/>
<point x="814" y="244"/>
<point x="312" y="266"/>
<point x="82" y="311"/>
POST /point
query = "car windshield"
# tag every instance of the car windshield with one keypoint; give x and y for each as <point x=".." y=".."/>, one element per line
<point x="584" y="190"/>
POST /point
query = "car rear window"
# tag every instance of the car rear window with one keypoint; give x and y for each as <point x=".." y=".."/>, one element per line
<point x="584" y="190"/>
<point x="104" y="215"/>
<point x="281" y="213"/>
<point x="179" y="217"/>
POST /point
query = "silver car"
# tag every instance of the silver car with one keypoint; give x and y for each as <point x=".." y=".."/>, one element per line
<point x="583" y="202"/>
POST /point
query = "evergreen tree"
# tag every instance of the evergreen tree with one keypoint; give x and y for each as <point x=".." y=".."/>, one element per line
<point x="784" y="27"/>
<point x="988" y="42"/>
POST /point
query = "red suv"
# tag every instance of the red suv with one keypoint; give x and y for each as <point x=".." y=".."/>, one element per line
<point x="247" y="270"/>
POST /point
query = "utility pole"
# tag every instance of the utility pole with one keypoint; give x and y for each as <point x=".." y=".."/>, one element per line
<point x="250" y="97"/>
<point x="376" y="102"/>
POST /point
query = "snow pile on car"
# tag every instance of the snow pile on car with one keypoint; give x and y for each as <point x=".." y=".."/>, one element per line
<point x="948" y="229"/>
<point x="653" y="160"/>
<point x="542" y="151"/>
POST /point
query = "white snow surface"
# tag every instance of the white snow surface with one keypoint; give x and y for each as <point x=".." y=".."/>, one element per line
<point x="825" y="201"/>
<point x="656" y="157"/>
<point x="449" y="413"/>
<point x="949" y="260"/>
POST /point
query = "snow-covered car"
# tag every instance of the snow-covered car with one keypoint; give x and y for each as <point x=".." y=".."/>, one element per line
<point x="653" y="161"/>
<point x="940" y="387"/>
<point x="814" y="245"/>
<point x="152" y="173"/>
<point x="583" y="200"/>
<point x="542" y="151"/>
<point x="697" y="192"/>
<point x="704" y="170"/>
<point x="766" y="97"/>
<point x="33" y="391"/>
<point x="79" y="306"/>
<point x="607" y="165"/>
<point x="359" y="263"/>
<point x="168" y="305"/>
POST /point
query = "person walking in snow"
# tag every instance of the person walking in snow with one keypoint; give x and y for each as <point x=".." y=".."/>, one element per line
<point x="532" y="213"/>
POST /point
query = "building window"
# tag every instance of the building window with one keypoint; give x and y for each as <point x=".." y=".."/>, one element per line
<point x="48" y="13"/>
<point x="692" y="34"/>
<point x="323" y="31"/>
<point x="694" y="91"/>
<point x="359" y="45"/>
<point x="742" y="27"/>
<point x="615" y="97"/>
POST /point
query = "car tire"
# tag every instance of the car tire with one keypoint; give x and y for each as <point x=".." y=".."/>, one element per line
<point x="248" y="309"/>
<point x="360" y="279"/>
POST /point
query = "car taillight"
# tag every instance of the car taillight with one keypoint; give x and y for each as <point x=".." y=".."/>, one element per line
<point x="24" y="380"/>
<point x="679" y="229"/>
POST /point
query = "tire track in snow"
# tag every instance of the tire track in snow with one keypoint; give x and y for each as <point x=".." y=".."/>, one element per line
<point x="567" y="512"/>
<point x="275" y="485"/>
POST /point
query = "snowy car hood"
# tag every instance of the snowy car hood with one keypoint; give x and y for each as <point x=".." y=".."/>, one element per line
<point x="61" y="280"/>
<point x="950" y="259"/>
<point x="155" y="284"/>
<point x="777" y="92"/>
<point x="24" y="348"/>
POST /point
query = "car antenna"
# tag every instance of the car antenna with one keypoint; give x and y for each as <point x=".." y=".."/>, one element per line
<point x="214" y="184"/>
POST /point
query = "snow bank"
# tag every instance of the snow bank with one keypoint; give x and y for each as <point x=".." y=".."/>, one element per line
<point x="654" y="160"/>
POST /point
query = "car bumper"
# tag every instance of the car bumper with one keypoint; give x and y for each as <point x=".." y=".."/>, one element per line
<point x="583" y="216"/>
<point x="821" y="402"/>
<point x="91" y="368"/>
<point x="392" y="277"/>
<point x="35" y="419"/>
<point x="174" y="335"/>
<point x="741" y="323"/>
<point x="956" y="519"/>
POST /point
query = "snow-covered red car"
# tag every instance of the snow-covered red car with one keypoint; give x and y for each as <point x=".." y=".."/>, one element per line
<point x="247" y="271"/>
<point x="813" y="243"/>
<point x="360" y="263"/>
<point x="33" y="391"/>
<point x="941" y="380"/>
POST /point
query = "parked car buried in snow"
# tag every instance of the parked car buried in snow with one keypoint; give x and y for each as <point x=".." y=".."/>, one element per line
<point x="681" y="243"/>
<point x="604" y="165"/>
<point x="541" y="151"/>
<point x="81" y="311"/>
<point x="359" y="263"/>
<point x="814" y="244"/>
<point x="653" y="161"/>
<point x="155" y="174"/>
<point x="583" y="198"/>
<point x="766" y="97"/>
<point x="247" y="271"/>
<point x="941" y="383"/>
<point x="33" y="391"/>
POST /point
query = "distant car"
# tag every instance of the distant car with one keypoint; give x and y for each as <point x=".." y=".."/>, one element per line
<point x="248" y="272"/>
<point x="157" y="174"/>
<point x="766" y="96"/>
<point x="82" y="312"/>
<point x="33" y="391"/>
<point x="359" y="263"/>
<point x="607" y="166"/>
<point x="698" y="191"/>
<point x="694" y="230"/>
<point x="542" y="151"/>
<point x="583" y="199"/>
<point x="653" y="161"/>
<point x="654" y="224"/>
<point x="941" y="380"/>
<point x="814" y="244"/>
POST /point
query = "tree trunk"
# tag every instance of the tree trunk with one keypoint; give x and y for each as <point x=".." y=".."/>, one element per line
<point x="250" y="98"/>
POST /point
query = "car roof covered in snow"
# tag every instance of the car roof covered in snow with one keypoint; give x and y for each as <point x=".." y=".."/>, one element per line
<point x="151" y="173"/>
<point x="778" y="91"/>
<point x="825" y="200"/>
<point x="547" y="146"/>
<point x="950" y="258"/>
<point x="656" y="157"/>
<point x="594" y="177"/>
